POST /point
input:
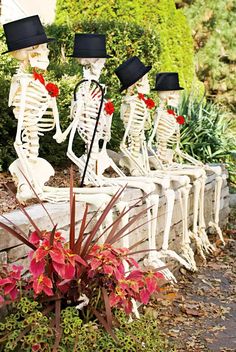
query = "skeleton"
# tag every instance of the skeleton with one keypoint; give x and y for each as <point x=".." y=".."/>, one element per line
<point x="36" y="112"/>
<point x="167" y="134"/>
<point x="84" y="113"/>
<point x="136" y="117"/>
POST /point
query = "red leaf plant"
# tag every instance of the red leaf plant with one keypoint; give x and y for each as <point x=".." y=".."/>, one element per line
<point x="61" y="272"/>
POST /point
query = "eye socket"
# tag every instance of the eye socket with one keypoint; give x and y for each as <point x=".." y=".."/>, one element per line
<point x="34" y="54"/>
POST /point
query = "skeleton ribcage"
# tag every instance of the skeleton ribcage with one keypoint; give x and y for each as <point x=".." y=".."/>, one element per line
<point x="37" y="117"/>
<point x="166" y="137"/>
<point x="135" y="116"/>
<point x="85" y="109"/>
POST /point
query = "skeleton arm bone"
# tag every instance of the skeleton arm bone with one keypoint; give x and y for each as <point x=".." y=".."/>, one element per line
<point x="61" y="137"/>
<point x="127" y="129"/>
<point x="151" y="138"/>
<point x="24" y="82"/>
<point x="92" y="177"/>
<point x="18" y="145"/>
<point x="56" y="118"/>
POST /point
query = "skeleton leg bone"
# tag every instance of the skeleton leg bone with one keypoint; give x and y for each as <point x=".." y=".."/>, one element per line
<point x="207" y="246"/>
<point x="215" y="224"/>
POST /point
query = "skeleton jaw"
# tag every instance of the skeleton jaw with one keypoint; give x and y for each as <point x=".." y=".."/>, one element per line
<point x="143" y="85"/>
<point x="170" y="97"/>
<point x="34" y="56"/>
<point x="92" y="67"/>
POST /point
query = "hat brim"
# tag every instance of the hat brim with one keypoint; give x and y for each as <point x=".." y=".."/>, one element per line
<point x="143" y="73"/>
<point x="163" y="90"/>
<point x="89" y="57"/>
<point x="48" y="40"/>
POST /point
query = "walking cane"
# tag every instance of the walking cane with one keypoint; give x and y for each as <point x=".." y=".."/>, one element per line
<point x="96" y="124"/>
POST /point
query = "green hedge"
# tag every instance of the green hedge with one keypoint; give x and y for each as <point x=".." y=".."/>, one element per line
<point x="159" y="16"/>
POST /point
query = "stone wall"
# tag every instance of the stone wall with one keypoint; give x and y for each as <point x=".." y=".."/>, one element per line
<point x="12" y="251"/>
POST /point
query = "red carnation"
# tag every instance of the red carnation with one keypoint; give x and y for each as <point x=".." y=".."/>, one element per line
<point x="150" y="103"/>
<point x="52" y="89"/>
<point x="180" y="119"/>
<point x="39" y="77"/>
<point x="109" y="107"/>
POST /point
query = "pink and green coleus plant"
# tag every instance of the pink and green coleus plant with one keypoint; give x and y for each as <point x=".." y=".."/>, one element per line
<point x="61" y="272"/>
<point x="56" y="271"/>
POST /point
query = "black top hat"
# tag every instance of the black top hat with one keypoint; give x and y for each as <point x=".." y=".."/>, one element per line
<point x="130" y="71"/>
<point x="167" y="81"/>
<point x="24" y="33"/>
<point x="89" y="46"/>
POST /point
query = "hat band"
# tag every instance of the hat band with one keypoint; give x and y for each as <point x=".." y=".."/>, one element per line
<point x="32" y="40"/>
<point x="82" y="51"/>
<point x="168" y="86"/>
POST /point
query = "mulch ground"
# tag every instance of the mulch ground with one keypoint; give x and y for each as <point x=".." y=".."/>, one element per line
<point x="8" y="189"/>
<point x="198" y="314"/>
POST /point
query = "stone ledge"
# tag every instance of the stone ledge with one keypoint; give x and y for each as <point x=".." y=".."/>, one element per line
<point x="13" y="249"/>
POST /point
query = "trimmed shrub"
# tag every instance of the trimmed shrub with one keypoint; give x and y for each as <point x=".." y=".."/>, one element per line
<point x="159" y="16"/>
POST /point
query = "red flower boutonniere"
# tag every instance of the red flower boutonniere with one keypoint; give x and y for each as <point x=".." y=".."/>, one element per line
<point x="179" y="118"/>
<point x="109" y="107"/>
<point x="52" y="88"/>
<point x="150" y="104"/>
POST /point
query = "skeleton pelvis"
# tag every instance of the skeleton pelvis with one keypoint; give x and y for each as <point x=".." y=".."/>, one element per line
<point x="132" y="166"/>
<point x="39" y="173"/>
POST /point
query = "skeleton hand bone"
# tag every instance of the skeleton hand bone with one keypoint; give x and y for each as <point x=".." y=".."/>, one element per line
<point x="59" y="137"/>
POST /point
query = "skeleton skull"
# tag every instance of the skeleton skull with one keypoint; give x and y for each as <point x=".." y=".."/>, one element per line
<point x="170" y="97"/>
<point x="35" y="56"/>
<point x="92" y="67"/>
<point x="143" y="85"/>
